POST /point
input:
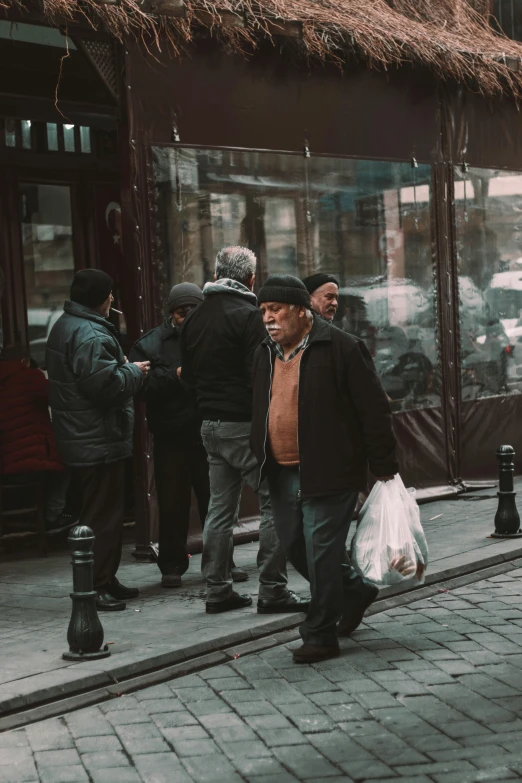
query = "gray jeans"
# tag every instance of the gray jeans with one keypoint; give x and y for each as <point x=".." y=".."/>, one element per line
<point x="232" y="464"/>
<point x="313" y="533"/>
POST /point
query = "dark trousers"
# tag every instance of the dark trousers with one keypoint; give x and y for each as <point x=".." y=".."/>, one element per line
<point x="102" y="492"/>
<point x="313" y="534"/>
<point x="177" y="470"/>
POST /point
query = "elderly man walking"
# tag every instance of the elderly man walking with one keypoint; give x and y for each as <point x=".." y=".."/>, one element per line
<point x="320" y="417"/>
<point x="324" y="294"/>
<point x="218" y="342"/>
<point x="91" y="386"/>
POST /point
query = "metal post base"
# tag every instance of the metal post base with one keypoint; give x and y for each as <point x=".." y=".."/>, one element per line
<point x="507" y="535"/>
<point x="92" y="656"/>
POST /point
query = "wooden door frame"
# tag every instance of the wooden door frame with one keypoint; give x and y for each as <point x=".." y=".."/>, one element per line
<point x="81" y="186"/>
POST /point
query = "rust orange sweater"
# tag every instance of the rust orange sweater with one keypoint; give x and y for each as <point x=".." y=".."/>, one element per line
<point x="282" y="420"/>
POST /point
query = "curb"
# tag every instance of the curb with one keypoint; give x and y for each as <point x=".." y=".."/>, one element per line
<point x="94" y="687"/>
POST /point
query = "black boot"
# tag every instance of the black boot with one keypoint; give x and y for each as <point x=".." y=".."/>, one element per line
<point x="121" y="592"/>
<point x="353" y="616"/>
<point x="235" y="601"/>
<point x="289" y="603"/>
<point x="106" y="603"/>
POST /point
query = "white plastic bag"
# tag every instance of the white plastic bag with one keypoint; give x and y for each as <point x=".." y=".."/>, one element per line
<point x="389" y="545"/>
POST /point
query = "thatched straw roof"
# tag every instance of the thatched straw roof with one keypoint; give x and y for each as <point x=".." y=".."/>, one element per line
<point x="455" y="39"/>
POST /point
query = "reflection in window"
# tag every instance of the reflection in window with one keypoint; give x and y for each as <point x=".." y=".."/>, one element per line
<point x="68" y="138"/>
<point x="366" y="222"/>
<point x="48" y="258"/>
<point x="85" y="138"/>
<point x="10" y="133"/>
<point x="26" y="134"/>
<point x="488" y="207"/>
<point x="52" y="137"/>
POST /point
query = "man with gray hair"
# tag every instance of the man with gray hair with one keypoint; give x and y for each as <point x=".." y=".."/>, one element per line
<point x="218" y="343"/>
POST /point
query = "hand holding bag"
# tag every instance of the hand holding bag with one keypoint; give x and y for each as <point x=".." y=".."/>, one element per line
<point x="389" y="545"/>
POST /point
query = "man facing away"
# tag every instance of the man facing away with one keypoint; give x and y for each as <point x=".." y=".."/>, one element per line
<point x="180" y="459"/>
<point x="324" y="294"/>
<point x="219" y="339"/>
<point x="91" y="386"/>
<point x="315" y="385"/>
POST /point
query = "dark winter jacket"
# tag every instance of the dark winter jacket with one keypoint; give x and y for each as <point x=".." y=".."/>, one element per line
<point x="171" y="409"/>
<point x="218" y="342"/>
<point x="344" y="418"/>
<point x="27" y="442"/>
<point x="90" y="388"/>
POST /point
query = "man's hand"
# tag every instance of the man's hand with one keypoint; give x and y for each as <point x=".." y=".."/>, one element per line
<point x="126" y="360"/>
<point x="178" y="372"/>
<point x="143" y="367"/>
<point x="403" y="565"/>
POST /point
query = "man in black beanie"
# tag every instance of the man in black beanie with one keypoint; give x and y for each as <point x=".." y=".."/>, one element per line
<point x="91" y="386"/>
<point x="180" y="459"/>
<point x="320" y="417"/>
<point x="324" y="294"/>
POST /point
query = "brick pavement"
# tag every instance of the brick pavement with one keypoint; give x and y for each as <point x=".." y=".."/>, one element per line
<point x="35" y="604"/>
<point x="428" y="692"/>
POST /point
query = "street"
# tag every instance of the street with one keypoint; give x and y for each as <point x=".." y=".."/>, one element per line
<point x="431" y="691"/>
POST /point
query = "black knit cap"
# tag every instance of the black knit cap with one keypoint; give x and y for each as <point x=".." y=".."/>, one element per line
<point x="313" y="282"/>
<point x="91" y="287"/>
<point x="184" y="294"/>
<point x="285" y="289"/>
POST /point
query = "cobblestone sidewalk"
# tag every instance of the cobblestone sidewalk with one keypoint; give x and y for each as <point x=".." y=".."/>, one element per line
<point x="428" y="692"/>
<point x="35" y="606"/>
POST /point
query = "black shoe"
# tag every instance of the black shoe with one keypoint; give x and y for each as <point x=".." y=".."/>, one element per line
<point x="290" y="603"/>
<point x="238" y="574"/>
<point x="312" y="653"/>
<point x="106" y="603"/>
<point x="353" y="617"/>
<point x="62" y="524"/>
<point x="235" y="601"/>
<point x="171" y="580"/>
<point x="120" y="592"/>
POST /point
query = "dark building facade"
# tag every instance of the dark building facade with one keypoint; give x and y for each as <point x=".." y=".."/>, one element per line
<point x="405" y="182"/>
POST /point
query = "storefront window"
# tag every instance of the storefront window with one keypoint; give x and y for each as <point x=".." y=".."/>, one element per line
<point x="48" y="258"/>
<point x="367" y="222"/>
<point x="488" y="207"/>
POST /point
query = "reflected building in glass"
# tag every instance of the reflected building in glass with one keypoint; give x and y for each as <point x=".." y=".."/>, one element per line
<point x="365" y="222"/>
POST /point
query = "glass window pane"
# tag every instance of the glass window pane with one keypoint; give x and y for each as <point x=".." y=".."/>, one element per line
<point x="85" y="138"/>
<point x="26" y="134"/>
<point x="366" y="222"/>
<point x="488" y="207"/>
<point x="68" y="138"/>
<point x="10" y="133"/>
<point x="52" y="137"/>
<point x="371" y="230"/>
<point x="48" y="258"/>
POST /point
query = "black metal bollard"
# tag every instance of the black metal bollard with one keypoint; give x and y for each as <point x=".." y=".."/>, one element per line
<point x="85" y="632"/>
<point x="507" y="519"/>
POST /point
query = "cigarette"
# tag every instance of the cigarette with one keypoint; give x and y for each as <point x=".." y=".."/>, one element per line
<point x="116" y="311"/>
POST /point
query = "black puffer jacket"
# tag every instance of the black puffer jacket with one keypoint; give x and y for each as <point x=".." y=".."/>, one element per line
<point x="171" y="409"/>
<point x="218" y="342"/>
<point x="90" y="388"/>
<point x="344" y="418"/>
